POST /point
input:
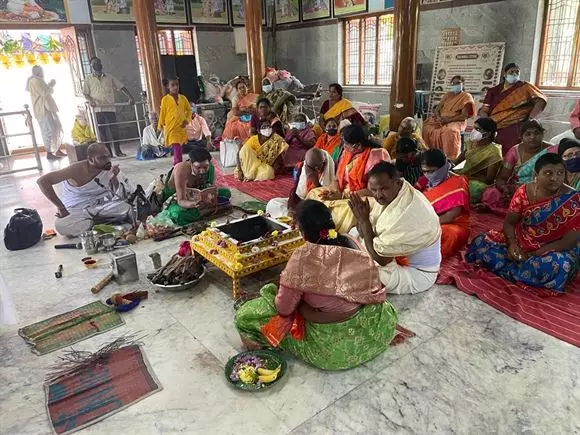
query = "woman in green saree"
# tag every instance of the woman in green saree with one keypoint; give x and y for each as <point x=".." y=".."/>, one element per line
<point x="482" y="158"/>
<point x="334" y="320"/>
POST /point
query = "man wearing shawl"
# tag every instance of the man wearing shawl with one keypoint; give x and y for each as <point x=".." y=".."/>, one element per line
<point x="400" y="230"/>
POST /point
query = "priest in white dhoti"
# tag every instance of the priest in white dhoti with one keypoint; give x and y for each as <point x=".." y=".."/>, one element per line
<point x="317" y="170"/>
<point x="93" y="192"/>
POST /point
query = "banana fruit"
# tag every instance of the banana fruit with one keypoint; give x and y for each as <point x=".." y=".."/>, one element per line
<point x="266" y="376"/>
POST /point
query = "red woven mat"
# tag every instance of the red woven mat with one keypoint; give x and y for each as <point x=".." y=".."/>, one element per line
<point x="556" y="315"/>
<point x="261" y="190"/>
<point x="104" y="387"/>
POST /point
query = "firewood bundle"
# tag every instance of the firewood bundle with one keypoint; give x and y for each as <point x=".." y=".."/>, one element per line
<point x="177" y="271"/>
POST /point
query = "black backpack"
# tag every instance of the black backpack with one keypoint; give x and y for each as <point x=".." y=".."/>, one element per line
<point x="24" y="229"/>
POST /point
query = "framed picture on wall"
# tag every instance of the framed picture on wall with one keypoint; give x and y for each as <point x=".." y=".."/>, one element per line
<point x="287" y="11"/>
<point x="170" y="11"/>
<point x="238" y="13"/>
<point x="315" y="9"/>
<point x="18" y="11"/>
<point x="348" y="7"/>
<point x="209" y="11"/>
<point x="166" y="11"/>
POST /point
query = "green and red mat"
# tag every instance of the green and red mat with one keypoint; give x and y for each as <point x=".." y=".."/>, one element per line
<point x="65" y="329"/>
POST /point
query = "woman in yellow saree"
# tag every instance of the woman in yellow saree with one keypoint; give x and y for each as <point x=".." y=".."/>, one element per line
<point x="261" y="157"/>
<point x="243" y="107"/>
<point x="356" y="161"/>
<point x="443" y="129"/>
<point x="337" y="108"/>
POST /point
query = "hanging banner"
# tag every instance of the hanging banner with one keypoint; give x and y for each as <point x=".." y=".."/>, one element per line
<point x="480" y="66"/>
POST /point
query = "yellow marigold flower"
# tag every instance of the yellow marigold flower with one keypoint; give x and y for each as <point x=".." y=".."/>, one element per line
<point x="332" y="234"/>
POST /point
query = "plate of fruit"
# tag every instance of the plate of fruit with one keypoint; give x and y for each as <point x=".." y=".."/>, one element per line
<point x="255" y="370"/>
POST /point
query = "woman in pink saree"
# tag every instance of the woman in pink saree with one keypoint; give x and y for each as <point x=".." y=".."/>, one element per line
<point x="334" y="320"/>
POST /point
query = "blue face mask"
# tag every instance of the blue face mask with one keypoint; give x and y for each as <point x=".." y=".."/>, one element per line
<point x="246" y="118"/>
<point x="439" y="176"/>
<point x="193" y="108"/>
<point x="512" y="78"/>
<point x="573" y="165"/>
<point x="456" y="89"/>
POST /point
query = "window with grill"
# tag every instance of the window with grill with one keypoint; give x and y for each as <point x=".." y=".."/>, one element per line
<point x="368" y="50"/>
<point x="84" y="53"/>
<point x="560" y="51"/>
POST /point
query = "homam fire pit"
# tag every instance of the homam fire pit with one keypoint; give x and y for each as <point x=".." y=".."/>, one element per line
<point x="246" y="246"/>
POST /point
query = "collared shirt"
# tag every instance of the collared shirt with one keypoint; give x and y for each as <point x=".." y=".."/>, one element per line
<point x="197" y="128"/>
<point x="102" y="90"/>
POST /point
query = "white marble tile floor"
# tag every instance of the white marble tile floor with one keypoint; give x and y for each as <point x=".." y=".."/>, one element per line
<point x="469" y="369"/>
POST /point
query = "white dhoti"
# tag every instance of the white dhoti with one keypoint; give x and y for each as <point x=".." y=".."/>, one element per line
<point x="97" y="202"/>
<point x="81" y="220"/>
<point x="51" y="130"/>
<point x="403" y="280"/>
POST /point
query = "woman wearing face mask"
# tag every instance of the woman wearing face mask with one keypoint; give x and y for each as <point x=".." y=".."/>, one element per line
<point x="300" y="138"/>
<point x="357" y="159"/>
<point x="510" y="104"/>
<point x="337" y="107"/>
<point x="265" y="114"/>
<point x="517" y="167"/>
<point x="281" y="101"/>
<point x="538" y="246"/>
<point x="330" y="140"/>
<point x="449" y="195"/>
<point x="482" y="158"/>
<point x="569" y="150"/>
<point x="443" y="129"/>
<point x="243" y="108"/>
<point x="262" y="156"/>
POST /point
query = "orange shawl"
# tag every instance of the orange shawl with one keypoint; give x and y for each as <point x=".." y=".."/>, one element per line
<point x="327" y="145"/>
<point x="513" y="105"/>
<point x="356" y="175"/>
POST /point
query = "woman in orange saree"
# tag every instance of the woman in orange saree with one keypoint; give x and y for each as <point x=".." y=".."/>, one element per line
<point x="334" y="320"/>
<point x="449" y="195"/>
<point x="330" y="140"/>
<point x="243" y="107"/>
<point x="443" y="129"/>
<point x="510" y="104"/>
<point x="356" y="161"/>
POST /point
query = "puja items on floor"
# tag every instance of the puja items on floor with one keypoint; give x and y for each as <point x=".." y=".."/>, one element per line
<point x="123" y="303"/>
<point x="178" y="271"/>
<point x="85" y="388"/>
<point x="255" y="370"/>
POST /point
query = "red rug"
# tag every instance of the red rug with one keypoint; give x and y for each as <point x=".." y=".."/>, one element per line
<point x="106" y="386"/>
<point x="556" y="315"/>
<point x="261" y="190"/>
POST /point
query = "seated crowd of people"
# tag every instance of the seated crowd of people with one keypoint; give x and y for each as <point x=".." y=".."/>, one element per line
<point x="378" y="218"/>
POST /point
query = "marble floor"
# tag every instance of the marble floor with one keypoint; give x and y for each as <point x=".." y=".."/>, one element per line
<point x="469" y="369"/>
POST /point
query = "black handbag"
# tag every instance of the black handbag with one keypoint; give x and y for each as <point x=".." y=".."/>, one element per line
<point x="143" y="206"/>
<point x="23" y="230"/>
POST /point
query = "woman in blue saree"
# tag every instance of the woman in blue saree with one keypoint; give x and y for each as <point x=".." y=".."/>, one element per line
<point x="518" y="167"/>
<point x="539" y="244"/>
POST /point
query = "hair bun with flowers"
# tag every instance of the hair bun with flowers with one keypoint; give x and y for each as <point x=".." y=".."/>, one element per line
<point x="328" y="234"/>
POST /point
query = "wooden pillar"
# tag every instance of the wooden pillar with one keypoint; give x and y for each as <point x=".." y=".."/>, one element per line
<point x="147" y="33"/>
<point x="404" y="61"/>
<point x="255" y="52"/>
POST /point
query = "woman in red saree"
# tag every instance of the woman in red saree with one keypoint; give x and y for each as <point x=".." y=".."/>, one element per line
<point x="539" y="244"/>
<point x="449" y="195"/>
<point x="334" y="320"/>
<point x="510" y="104"/>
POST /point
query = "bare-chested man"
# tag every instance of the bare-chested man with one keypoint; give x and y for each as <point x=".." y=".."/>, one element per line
<point x="93" y="192"/>
<point x="197" y="173"/>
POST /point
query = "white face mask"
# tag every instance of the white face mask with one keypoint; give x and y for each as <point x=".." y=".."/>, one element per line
<point x="298" y="125"/>
<point x="266" y="88"/>
<point x="266" y="132"/>
<point x="512" y="78"/>
<point x="475" y="136"/>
